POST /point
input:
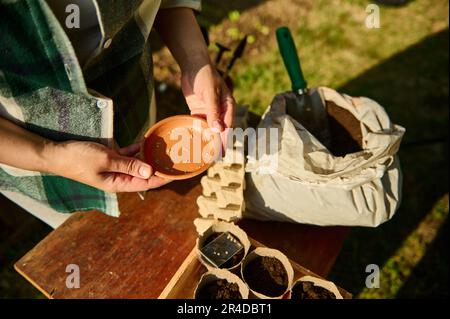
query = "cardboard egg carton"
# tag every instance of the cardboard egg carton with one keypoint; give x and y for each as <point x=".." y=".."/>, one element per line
<point x="223" y="186"/>
<point x="223" y="195"/>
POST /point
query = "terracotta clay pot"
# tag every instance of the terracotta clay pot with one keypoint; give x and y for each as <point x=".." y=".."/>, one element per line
<point x="180" y="147"/>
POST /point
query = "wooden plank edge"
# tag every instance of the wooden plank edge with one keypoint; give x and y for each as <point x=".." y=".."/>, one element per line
<point x="45" y="293"/>
<point x="173" y="281"/>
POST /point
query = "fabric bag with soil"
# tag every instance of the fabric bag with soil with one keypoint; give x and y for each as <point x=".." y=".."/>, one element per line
<point x="345" y="172"/>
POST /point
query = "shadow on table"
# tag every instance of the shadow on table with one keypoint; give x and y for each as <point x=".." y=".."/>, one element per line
<point x="413" y="88"/>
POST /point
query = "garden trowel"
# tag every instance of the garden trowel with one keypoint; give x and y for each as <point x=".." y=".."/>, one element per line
<point x="302" y="105"/>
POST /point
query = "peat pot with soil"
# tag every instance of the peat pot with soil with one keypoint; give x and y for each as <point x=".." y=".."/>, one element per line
<point x="230" y="260"/>
<point x="267" y="272"/>
<point x="220" y="284"/>
<point x="308" y="287"/>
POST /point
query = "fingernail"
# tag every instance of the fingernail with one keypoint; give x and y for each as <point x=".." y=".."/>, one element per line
<point x="144" y="171"/>
<point x="218" y="125"/>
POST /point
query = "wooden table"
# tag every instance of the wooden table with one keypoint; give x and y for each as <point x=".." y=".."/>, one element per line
<point x="136" y="255"/>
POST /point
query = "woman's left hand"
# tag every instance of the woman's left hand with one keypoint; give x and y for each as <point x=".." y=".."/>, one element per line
<point x="207" y="94"/>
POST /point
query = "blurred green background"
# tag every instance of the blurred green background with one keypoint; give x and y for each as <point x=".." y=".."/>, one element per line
<point x="403" y="65"/>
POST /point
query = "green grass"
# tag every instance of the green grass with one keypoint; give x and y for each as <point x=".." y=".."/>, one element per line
<point x="335" y="46"/>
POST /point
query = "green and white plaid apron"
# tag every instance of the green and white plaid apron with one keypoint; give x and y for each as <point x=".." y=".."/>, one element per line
<point x="43" y="88"/>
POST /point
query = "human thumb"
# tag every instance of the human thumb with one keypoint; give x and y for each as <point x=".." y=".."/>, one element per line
<point x="130" y="166"/>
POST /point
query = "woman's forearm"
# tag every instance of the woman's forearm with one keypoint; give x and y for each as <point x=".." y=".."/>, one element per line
<point x="181" y="33"/>
<point x="87" y="162"/>
<point x="204" y="89"/>
<point x="23" y="149"/>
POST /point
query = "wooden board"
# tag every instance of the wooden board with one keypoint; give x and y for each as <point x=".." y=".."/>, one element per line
<point x="134" y="256"/>
<point x="184" y="286"/>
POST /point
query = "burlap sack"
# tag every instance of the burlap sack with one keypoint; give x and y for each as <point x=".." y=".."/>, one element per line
<point x="311" y="185"/>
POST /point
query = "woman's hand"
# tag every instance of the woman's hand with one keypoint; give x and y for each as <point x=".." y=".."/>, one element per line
<point x="101" y="167"/>
<point x="86" y="162"/>
<point x="207" y="94"/>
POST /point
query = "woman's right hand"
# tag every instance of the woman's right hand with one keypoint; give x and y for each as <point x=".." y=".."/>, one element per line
<point x="104" y="168"/>
<point x="86" y="162"/>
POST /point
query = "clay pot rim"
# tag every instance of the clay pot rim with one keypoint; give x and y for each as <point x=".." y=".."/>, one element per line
<point x="164" y="122"/>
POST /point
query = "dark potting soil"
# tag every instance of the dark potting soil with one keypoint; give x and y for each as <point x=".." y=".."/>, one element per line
<point x="233" y="261"/>
<point x="307" y="290"/>
<point x="345" y="131"/>
<point x="219" y="289"/>
<point x="266" y="275"/>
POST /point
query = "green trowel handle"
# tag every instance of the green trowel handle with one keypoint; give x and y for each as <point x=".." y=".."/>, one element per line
<point x="288" y="51"/>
